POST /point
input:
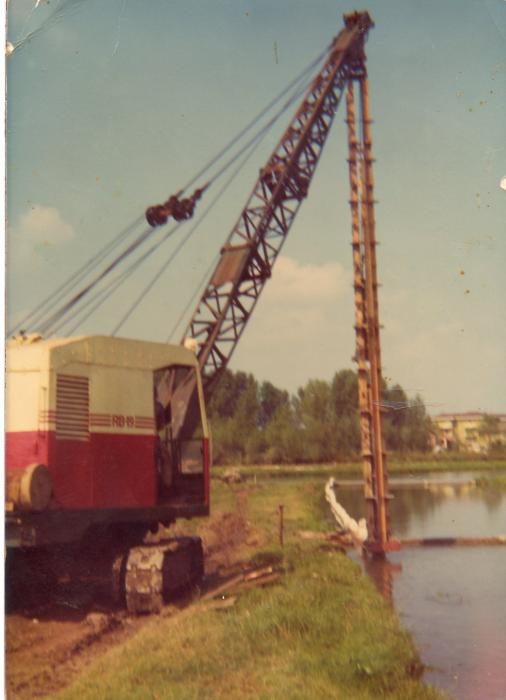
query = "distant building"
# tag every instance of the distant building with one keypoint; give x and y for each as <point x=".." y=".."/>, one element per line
<point x="471" y="431"/>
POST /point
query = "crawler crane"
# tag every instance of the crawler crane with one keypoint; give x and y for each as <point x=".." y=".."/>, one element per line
<point x="107" y="437"/>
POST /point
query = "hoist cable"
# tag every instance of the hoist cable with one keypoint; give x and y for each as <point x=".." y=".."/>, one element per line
<point x="38" y="313"/>
<point x="200" y="285"/>
<point x="100" y="297"/>
<point x="255" y="119"/>
<point x="264" y="129"/>
<point x="194" y="228"/>
<point x="97" y="300"/>
<point x="191" y="300"/>
<point x="49" y="322"/>
<point x="105" y="293"/>
<point x="253" y="143"/>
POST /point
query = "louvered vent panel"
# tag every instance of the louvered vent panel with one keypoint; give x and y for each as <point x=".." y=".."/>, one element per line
<point x="72" y="408"/>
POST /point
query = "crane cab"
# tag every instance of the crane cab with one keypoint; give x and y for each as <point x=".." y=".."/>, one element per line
<point x="95" y="433"/>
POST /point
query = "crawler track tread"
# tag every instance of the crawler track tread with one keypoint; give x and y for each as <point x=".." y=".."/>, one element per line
<point x="153" y="572"/>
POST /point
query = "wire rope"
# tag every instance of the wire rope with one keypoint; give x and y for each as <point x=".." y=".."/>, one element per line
<point x="101" y="296"/>
<point x="194" y="295"/>
<point x="50" y="323"/>
<point x="77" y="297"/>
<point x="191" y="300"/>
<point x="265" y="128"/>
<point x="38" y="313"/>
<point x="253" y="143"/>
<point x="193" y="229"/>
<point x="255" y="119"/>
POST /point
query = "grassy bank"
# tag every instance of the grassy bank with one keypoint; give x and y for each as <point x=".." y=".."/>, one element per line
<point x="396" y="465"/>
<point x="322" y="631"/>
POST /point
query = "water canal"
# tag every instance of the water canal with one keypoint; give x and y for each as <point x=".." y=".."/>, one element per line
<point x="453" y="599"/>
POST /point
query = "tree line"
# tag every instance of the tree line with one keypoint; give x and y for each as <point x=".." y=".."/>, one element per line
<point x="254" y="423"/>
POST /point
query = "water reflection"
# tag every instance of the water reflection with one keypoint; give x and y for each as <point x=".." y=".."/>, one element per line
<point x="452" y="598"/>
<point x="459" y="510"/>
<point x="382" y="571"/>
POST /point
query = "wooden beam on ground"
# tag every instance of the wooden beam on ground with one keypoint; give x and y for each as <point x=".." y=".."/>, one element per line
<point x="257" y="577"/>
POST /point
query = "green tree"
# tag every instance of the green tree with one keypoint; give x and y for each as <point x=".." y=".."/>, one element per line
<point x="315" y="416"/>
<point x="255" y="423"/>
<point x="406" y="424"/>
<point x="283" y="437"/>
<point x="233" y="412"/>
<point x="489" y="425"/>
<point x="271" y="400"/>
<point x="227" y="393"/>
<point x="344" y="391"/>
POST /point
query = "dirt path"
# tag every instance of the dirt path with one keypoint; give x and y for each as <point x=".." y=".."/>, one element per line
<point x="50" y="642"/>
<point x="45" y="653"/>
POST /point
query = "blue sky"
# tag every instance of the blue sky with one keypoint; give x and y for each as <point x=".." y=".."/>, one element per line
<point x="114" y="105"/>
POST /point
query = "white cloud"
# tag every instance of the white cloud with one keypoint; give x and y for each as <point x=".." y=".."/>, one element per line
<point x="303" y="326"/>
<point x="299" y="300"/>
<point x="42" y="226"/>
<point x="453" y="364"/>
<point x="294" y="283"/>
<point x="431" y="345"/>
<point x="36" y="250"/>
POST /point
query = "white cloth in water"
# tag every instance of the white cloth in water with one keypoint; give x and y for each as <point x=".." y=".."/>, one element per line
<point x="345" y="523"/>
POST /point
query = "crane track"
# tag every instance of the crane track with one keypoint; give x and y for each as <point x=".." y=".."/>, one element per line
<point x="140" y="577"/>
<point x="146" y="576"/>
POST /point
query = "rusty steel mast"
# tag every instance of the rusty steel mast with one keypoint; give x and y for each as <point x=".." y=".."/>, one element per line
<point x="251" y="249"/>
<point x="367" y="324"/>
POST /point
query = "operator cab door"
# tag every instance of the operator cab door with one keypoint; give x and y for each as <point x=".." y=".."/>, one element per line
<point x="179" y="456"/>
